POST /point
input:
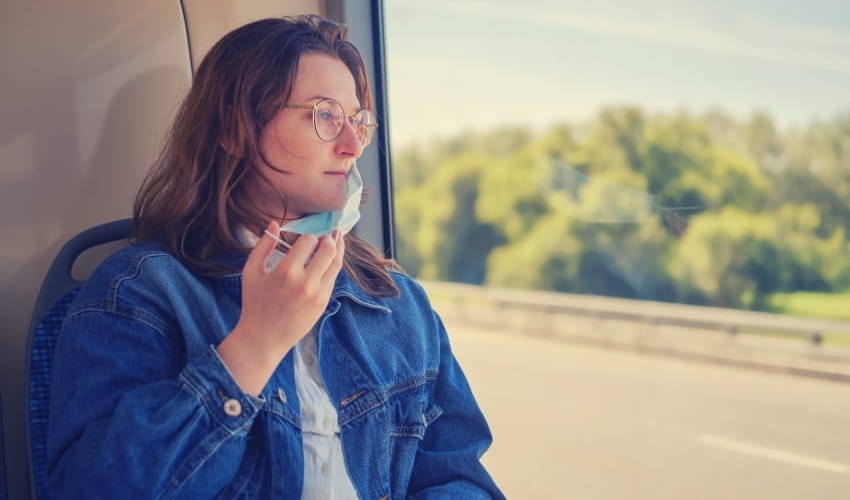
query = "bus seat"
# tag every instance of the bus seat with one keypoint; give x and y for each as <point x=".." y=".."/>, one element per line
<point x="57" y="292"/>
<point x="2" y="456"/>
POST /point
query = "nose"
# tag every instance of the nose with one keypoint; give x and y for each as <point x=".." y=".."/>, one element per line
<point x="347" y="143"/>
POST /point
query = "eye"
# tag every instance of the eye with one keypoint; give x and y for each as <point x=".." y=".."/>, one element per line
<point x="326" y="115"/>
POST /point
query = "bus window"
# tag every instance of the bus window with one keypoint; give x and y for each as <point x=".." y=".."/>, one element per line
<point x="655" y="177"/>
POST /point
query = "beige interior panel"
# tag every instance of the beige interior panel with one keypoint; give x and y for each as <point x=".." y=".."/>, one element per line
<point x="88" y="90"/>
<point x="209" y="20"/>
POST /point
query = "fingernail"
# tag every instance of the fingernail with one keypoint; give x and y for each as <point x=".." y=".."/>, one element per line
<point x="335" y="234"/>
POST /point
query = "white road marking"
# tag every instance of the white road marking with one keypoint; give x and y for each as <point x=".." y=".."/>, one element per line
<point x="773" y="454"/>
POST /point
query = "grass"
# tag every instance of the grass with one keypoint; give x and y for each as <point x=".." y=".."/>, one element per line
<point x="812" y="304"/>
<point x="833" y="306"/>
<point x="836" y="339"/>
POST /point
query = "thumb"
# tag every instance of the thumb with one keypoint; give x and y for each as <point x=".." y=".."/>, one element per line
<point x="259" y="256"/>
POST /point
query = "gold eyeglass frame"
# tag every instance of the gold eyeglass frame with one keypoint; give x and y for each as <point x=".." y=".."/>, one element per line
<point x="370" y="128"/>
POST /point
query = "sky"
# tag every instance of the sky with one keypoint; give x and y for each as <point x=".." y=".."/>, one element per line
<point x="477" y="64"/>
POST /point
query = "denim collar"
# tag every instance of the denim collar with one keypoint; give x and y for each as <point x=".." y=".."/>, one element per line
<point x="344" y="286"/>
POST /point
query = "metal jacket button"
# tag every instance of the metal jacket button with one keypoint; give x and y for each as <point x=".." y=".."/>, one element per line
<point x="232" y="408"/>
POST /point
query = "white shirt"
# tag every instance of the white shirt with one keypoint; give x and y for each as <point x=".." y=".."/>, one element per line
<point x="325" y="474"/>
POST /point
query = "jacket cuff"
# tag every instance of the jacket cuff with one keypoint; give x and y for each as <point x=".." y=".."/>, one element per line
<point x="209" y="378"/>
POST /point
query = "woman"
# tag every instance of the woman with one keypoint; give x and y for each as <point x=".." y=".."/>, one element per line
<point x="222" y="357"/>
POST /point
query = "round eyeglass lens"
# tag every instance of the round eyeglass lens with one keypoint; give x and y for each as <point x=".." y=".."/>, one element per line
<point x="328" y="118"/>
<point x="364" y="125"/>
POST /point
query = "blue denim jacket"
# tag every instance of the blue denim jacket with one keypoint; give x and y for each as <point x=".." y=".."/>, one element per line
<point x="143" y="407"/>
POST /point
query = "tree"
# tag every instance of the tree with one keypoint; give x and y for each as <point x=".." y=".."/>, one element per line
<point x="439" y="236"/>
<point x="703" y="209"/>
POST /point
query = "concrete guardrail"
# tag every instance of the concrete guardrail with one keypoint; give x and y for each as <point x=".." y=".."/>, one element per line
<point x="766" y="341"/>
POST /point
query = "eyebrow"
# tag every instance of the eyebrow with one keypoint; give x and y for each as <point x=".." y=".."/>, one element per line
<point x="319" y="97"/>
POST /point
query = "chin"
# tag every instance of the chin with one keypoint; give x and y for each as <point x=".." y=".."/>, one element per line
<point x="325" y="207"/>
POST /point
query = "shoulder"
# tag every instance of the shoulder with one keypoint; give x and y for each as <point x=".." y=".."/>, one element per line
<point x="145" y="262"/>
<point x="130" y="258"/>
<point x="134" y="274"/>
<point x="408" y="286"/>
<point x="412" y="300"/>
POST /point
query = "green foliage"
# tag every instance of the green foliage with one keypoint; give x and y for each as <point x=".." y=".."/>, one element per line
<point x="694" y="208"/>
<point x="813" y="304"/>
<point x="510" y="193"/>
<point x="728" y="259"/>
<point x="440" y="238"/>
<point x="544" y="259"/>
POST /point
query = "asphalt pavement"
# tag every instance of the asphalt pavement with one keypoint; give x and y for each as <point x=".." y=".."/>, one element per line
<point x="574" y="421"/>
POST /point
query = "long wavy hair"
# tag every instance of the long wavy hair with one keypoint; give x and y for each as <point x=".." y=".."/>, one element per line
<point x="200" y="188"/>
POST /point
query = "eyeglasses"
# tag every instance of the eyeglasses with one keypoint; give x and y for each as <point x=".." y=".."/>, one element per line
<point x="329" y="118"/>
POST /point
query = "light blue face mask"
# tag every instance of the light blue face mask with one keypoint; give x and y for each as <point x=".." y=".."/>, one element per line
<point x="343" y="219"/>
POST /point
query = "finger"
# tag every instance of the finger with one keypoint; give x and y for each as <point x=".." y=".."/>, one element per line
<point x="340" y="251"/>
<point x="259" y="255"/>
<point x="340" y="248"/>
<point x="333" y="269"/>
<point x="323" y="257"/>
<point x="300" y="252"/>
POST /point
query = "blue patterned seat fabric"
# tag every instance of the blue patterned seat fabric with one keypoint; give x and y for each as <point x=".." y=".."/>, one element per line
<point x="41" y="363"/>
<point x="2" y="457"/>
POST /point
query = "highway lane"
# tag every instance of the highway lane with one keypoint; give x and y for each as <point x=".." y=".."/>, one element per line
<point x="573" y="421"/>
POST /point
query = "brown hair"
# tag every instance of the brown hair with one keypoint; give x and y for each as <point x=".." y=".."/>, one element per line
<point x="199" y="189"/>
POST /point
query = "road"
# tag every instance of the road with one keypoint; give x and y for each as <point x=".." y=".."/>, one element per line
<point x="574" y="421"/>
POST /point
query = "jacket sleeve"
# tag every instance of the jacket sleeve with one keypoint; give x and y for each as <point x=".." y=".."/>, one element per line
<point x="447" y="464"/>
<point x="132" y="417"/>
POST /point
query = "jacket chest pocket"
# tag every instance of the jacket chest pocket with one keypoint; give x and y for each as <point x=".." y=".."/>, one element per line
<point x="412" y="417"/>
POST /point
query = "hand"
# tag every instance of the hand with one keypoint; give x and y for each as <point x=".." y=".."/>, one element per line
<point x="281" y="305"/>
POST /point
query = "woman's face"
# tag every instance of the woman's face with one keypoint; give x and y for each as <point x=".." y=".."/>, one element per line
<point x="315" y="171"/>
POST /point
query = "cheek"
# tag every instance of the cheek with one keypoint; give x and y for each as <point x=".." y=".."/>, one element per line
<point x="289" y="143"/>
<point x="281" y="142"/>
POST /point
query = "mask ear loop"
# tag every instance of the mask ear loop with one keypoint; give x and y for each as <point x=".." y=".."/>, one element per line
<point x="278" y="239"/>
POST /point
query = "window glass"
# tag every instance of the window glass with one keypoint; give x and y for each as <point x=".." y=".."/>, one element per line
<point x="677" y="175"/>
